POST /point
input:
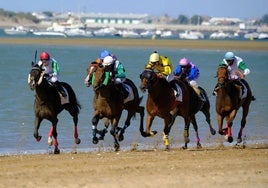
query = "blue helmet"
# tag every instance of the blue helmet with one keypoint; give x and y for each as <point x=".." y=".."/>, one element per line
<point x="104" y="54"/>
<point x="229" y="56"/>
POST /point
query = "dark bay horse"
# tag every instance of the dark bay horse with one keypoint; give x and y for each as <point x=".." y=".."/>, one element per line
<point x="228" y="102"/>
<point x="47" y="105"/>
<point x="161" y="101"/>
<point x="109" y="103"/>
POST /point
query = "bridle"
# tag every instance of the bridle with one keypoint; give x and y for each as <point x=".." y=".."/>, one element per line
<point x="149" y="77"/>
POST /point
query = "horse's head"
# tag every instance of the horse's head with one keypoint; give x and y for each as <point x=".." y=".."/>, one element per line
<point x="148" y="78"/>
<point x="99" y="76"/>
<point x="222" y="74"/>
<point x="34" y="77"/>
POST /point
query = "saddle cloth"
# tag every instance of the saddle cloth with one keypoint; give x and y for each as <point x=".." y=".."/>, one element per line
<point x="178" y="93"/>
<point x="64" y="100"/>
<point x="130" y="93"/>
<point x="243" y="91"/>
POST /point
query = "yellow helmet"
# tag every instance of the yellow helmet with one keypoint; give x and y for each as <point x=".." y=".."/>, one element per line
<point x="154" y="57"/>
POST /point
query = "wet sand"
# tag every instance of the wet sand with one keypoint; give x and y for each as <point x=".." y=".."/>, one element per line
<point x="179" y="44"/>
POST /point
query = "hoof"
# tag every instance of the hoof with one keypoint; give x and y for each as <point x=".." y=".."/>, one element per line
<point x="121" y="137"/>
<point x="95" y="140"/>
<point x="56" y="151"/>
<point x="38" y="138"/>
<point x="199" y="146"/>
<point x="152" y="133"/>
<point x="213" y="131"/>
<point x="77" y="141"/>
<point x="116" y="147"/>
<point x="230" y="139"/>
<point x="184" y="147"/>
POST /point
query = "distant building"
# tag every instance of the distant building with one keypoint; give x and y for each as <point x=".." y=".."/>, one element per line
<point x="99" y="18"/>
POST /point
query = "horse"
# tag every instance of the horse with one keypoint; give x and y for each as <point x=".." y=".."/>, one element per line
<point x="109" y="103"/>
<point x="205" y="106"/>
<point x="48" y="104"/>
<point x="228" y="102"/>
<point x="161" y="101"/>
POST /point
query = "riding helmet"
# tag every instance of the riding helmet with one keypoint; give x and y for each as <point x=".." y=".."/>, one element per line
<point x="229" y="56"/>
<point x="184" y="62"/>
<point x="44" y="56"/>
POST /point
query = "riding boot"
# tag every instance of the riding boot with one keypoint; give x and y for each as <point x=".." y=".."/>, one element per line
<point x="60" y="89"/>
<point x="123" y="90"/>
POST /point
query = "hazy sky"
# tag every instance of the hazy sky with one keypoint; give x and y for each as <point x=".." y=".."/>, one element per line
<point x="217" y="8"/>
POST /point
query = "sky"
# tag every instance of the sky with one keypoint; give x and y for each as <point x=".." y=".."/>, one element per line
<point x="243" y="9"/>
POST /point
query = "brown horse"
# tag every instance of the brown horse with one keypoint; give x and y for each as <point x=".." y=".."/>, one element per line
<point x="47" y="105"/>
<point x="228" y="102"/>
<point x="161" y="101"/>
<point x="109" y="103"/>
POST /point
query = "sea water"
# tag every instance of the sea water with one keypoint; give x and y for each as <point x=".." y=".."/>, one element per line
<point x="16" y="98"/>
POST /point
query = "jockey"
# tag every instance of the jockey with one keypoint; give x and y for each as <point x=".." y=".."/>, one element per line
<point x="51" y="68"/>
<point x="92" y="66"/>
<point x="116" y="72"/>
<point x="161" y="63"/>
<point x="236" y="67"/>
<point x="189" y="72"/>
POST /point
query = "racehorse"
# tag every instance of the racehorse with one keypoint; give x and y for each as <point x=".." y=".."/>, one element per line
<point x="228" y="102"/>
<point x="162" y="100"/>
<point x="109" y="103"/>
<point x="48" y="104"/>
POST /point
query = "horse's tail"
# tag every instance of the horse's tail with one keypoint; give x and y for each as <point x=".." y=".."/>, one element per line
<point x="73" y="99"/>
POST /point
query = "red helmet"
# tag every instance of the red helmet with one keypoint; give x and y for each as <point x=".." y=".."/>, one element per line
<point x="44" y="56"/>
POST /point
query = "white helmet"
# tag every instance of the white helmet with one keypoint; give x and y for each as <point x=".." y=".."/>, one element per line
<point x="108" y="60"/>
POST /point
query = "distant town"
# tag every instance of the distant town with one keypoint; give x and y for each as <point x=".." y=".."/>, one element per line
<point x="133" y="25"/>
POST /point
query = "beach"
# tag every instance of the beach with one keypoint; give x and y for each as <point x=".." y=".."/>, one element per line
<point x="207" y="167"/>
<point x="219" y="165"/>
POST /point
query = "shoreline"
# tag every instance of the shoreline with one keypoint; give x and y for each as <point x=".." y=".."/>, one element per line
<point x="160" y="43"/>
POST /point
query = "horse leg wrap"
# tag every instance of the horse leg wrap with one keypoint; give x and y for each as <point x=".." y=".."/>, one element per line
<point x="166" y="140"/>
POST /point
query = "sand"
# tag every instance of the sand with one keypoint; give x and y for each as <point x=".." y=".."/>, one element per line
<point x="217" y="166"/>
<point x="207" y="167"/>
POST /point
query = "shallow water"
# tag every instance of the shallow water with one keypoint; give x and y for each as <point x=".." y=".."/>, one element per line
<point x="17" y="117"/>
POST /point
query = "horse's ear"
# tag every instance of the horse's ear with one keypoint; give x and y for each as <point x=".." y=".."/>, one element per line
<point x="32" y="63"/>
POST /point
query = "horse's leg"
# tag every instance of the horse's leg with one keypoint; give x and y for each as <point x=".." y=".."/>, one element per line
<point x="74" y="114"/>
<point x="37" y="123"/>
<point x="104" y="131"/>
<point x="95" y="121"/>
<point x="229" y="125"/>
<point x="187" y="121"/>
<point x="148" y="132"/>
<point x="167" y="121"/>
<point x="127" y="123"/>
<point x="205" y="110"/>
<point x="243" y="123"/>
<point x="53" y="132"/>
<point x="220" y="123"/>
<point x="115" y="122"/>
<point x="193" y="120"/>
